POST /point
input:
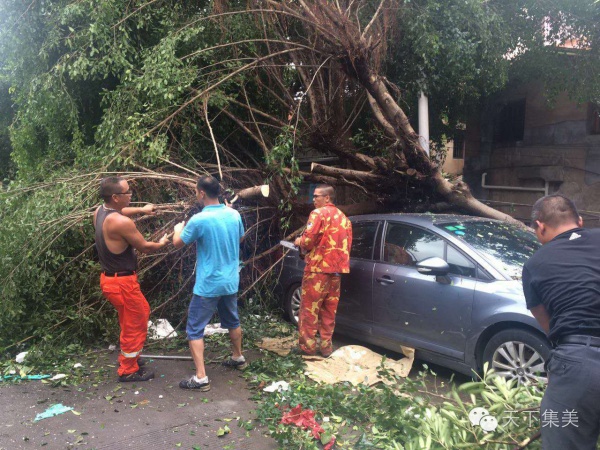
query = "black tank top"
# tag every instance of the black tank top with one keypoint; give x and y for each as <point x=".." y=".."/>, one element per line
<point x="109" y="261"/>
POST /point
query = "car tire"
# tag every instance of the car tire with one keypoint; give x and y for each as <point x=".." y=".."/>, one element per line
<point x="518" y="355"/>
<point x="292" y="303"/>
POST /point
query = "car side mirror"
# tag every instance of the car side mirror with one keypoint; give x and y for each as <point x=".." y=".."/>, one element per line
<point x="433" y="266"/>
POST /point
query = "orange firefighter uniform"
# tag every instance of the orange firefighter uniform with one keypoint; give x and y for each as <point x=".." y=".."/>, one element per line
<point x="125" y="295"/>
<point x="328" y="238"/>
<point x="119" y="284"/>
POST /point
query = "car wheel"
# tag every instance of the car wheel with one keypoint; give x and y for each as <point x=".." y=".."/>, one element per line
<point x="292" y="303"/>
<point x="518" y="355"/>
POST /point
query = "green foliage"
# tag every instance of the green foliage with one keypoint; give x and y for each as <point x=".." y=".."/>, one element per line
<point x="564" y="53"/>
<point x="448" y="426"/>
<point x="283" y="163"/>
<point x="454" y="52"/>
<point x="406" y="414"/>
<point x="92" y="84"/>
<point x="361" y="416"/>
<point x="6" y="116"/>
<point x="369" y="141"/>
<point x="44" y="273"/>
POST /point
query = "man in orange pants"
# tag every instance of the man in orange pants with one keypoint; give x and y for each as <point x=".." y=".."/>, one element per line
<point x="116" y="238"/>
<point x="327" y="239"/>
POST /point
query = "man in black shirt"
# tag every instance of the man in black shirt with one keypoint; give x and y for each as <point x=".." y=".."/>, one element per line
<point x="561" y="282"/>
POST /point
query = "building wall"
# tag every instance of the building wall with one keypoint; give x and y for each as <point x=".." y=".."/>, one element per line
<point x="556" y="150"/>
<point x="452" y="165"/>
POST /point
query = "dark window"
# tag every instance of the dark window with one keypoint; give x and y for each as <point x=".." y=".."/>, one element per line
<point x="594" y="118"/>
<point x="510" y="122"/>
<point x="458" y="145"/>
<point x="363" y="238"/>
<point x="407" y="245"/>
<point x="459" y="264"/>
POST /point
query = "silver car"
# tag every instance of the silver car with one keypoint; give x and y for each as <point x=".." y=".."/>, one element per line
<point x="447" y="285"/>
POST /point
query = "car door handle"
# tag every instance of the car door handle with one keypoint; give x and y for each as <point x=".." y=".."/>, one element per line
<point x="385" y="280"/>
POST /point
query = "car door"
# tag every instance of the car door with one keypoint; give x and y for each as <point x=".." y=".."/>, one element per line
<point x="423" y="311"/>
<point x="355" y="308"/>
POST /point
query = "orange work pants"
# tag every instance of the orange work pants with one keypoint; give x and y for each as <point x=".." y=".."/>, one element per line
<point x="126" y="296"/>
<point x="320" y="298"/>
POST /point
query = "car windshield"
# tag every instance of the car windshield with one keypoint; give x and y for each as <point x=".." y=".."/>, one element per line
<point x="504" y="246"/>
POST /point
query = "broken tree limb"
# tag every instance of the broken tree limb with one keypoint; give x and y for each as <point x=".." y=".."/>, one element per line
<point x="348" y="174"/>
<point x="387" y="128"/>
<point x="254" y="192"/>
<point x="324" y="179"/>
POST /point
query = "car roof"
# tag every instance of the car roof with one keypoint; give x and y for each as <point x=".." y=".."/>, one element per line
<point x="422" y="219"/>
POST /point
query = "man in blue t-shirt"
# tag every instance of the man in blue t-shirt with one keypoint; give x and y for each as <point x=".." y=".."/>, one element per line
<point x="217" y="232"/>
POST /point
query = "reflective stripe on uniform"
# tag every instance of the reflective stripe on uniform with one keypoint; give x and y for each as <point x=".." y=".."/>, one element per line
<point x="132" y="354"/>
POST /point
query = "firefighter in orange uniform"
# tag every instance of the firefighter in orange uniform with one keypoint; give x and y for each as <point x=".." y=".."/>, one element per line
<point x="116" y="238"/>
<point x="327" y="241"/>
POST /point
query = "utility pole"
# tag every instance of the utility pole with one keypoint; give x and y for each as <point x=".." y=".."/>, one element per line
<point x="424" y="122"/>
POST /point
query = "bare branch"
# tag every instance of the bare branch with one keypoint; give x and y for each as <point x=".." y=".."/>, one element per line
<point x="368" y="27"/>
<point x="212" y="136"/>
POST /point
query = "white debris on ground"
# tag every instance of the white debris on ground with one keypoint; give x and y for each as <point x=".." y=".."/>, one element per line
<point x="214" y="328"/>
<point x="161" y="329"/>
<point x="277" y="386"/>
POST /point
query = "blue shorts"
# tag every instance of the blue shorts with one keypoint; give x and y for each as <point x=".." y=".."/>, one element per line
<point x="202" y="309"/>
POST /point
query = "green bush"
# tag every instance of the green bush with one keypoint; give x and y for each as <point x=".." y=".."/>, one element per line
<point x="47" y="274"/>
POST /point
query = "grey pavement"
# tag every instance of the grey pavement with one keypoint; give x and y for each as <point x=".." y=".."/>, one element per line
<point x="151" y="415"/>
<point x="113" y="416"/>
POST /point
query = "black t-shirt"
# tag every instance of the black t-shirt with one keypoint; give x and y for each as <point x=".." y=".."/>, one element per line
<point x="564" y="276"/>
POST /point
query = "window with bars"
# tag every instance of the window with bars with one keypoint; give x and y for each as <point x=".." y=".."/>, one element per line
<point x="458" y="145"/>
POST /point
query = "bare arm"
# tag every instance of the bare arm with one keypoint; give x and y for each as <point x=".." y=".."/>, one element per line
<point x="128" y="231"/>
<point x="177" y="242"/>
<point x="95" y="215"/>
<point x="541" y="315"/>
<point x="130" y="211"/>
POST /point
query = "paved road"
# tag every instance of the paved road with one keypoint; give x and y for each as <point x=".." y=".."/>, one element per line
<point x="151" y="415"/>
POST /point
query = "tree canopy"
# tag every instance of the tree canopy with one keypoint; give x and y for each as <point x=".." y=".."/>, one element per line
<point x="167" y="90"/>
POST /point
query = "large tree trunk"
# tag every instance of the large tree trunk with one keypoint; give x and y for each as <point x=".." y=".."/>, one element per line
<point x="457" y="194"/>
<point x="338" y="36"/>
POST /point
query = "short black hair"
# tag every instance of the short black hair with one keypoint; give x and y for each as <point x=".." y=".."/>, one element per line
<point x="110" y="186"/>
<point x="210" y="185"/>
<point x="328" y="190"/>
<point x="554" y="210"/>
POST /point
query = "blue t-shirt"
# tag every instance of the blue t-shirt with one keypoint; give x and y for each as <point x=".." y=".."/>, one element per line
<point x="217" y="231"/>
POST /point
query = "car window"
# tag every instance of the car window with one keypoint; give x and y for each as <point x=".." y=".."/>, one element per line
<point x="459" y="264"/>
<point x="408" y="245"/>
<point x="503" y="245"/>
<point x="363" y="238"/>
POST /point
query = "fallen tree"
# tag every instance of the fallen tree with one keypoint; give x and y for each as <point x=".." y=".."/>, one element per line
<point x="163" y="92"/>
